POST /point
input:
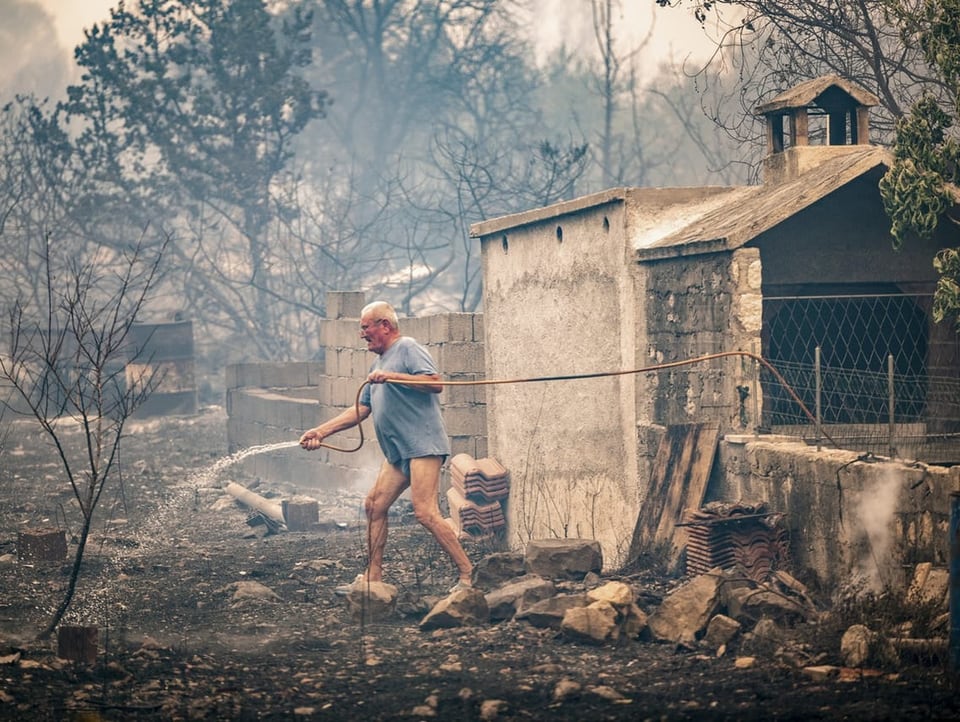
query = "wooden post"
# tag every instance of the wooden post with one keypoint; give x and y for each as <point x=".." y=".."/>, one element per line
<point x="78" y="644"/>
<point x="42" y="545"/>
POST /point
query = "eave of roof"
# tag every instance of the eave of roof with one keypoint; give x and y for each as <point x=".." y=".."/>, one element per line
<point x="806" y="93"/>
<point x="748" y="211"/>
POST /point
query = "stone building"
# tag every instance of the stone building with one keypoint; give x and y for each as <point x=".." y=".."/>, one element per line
<point x="656" y="278"/>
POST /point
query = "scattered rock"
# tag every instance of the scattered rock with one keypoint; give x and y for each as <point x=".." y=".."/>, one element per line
<point x="563" y="558"/>
<point x="549" y="612"/>
<point x="821" y="672"/>
<point x="684" y="613"/>
<point x="490" y="709"/>
<point x="462" y="608"/>
<point x="253" y="590"/>
<point x="371" y="601"/>
<point x="721" y="630"/>
<point x="596" y="623"/>
<point x="565" y="689"/>
<point x="497" y="568"/>
<point x="504" y="602"/>
<point x="856" y="645"/>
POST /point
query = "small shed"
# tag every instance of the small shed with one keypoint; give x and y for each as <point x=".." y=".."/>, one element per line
<point x="798" y="271"/>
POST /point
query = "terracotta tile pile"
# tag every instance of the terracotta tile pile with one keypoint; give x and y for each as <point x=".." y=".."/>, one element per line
<point x="477" y="487"/>
<point x="725" y="535"/>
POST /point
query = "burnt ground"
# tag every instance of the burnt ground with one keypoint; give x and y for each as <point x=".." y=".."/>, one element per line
<point x="160" y="579"/>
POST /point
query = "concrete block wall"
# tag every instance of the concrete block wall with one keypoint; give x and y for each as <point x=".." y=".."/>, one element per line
<point x="851" y="520"/>
<point x="272" y="402"/>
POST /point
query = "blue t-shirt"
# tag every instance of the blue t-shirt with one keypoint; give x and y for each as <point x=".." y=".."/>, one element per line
<point x="407" y="421"/>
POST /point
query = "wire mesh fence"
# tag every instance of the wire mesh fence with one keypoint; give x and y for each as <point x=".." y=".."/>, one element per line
<point x="861" y="366"/>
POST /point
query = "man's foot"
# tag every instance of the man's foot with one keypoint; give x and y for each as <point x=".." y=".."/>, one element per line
<point x="461" y="585"/>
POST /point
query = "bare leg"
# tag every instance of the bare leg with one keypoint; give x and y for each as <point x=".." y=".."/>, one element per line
<point x="424" y="488"/>
<point x="390" y="484"/>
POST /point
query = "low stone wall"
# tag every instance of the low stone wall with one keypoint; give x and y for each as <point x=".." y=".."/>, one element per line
<point x="852" y="518"/>
<point x="268" y="403"/>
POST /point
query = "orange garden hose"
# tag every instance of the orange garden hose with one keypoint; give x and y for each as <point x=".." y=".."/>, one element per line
<point x="570" y="377"/>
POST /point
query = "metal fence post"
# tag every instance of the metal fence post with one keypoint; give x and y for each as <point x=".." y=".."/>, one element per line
<point x="954" y="651"/>
<point x="816" y="368"/>
<point x="757" y="421"/>
<point x="891" y="449"/>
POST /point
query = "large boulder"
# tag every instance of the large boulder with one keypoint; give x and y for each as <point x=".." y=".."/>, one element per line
<point x="372" y="601"/>
<point x="684" y="613"/>
<point x="550" y="612"/>
<point x="462" y="608"/>
<point x="495" y="569"/>
<point x="563" y="558"/>
<point x="596" y="623"/>
<point x="506" y="601"/>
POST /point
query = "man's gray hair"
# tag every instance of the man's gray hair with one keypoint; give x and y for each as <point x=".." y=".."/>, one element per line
<point x="378" y="310"/>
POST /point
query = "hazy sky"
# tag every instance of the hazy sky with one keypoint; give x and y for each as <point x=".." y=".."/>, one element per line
<point x="70" y="17"/>
<point x="676" y="33"/>
<point x="36" y="53"/>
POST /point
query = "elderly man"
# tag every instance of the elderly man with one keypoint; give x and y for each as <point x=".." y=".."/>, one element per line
<point x="411" y="433"/>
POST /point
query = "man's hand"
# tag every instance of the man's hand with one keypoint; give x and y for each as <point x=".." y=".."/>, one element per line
<point x="380" y="376"/>
<point x="311" y="439"/>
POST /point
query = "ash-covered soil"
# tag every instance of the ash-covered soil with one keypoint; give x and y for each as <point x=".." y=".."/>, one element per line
<point x="169" y="552"/>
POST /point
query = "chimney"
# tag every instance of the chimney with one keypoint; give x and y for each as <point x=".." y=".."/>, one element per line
<point x="830" y="109"/>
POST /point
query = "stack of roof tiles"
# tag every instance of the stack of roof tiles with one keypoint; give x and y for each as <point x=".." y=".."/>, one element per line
<point x="726" y="535"/>
<point x="477" y="487"/>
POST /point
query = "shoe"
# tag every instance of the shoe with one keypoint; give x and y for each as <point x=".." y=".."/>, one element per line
<point x="459" y="586"/>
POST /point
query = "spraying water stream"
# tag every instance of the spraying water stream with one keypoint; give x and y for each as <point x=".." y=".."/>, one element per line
<point x="99" y="599"/>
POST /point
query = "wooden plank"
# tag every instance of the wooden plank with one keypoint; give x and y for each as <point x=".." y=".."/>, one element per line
<point x="678" y="481"/>
<point x="702" y="443"/>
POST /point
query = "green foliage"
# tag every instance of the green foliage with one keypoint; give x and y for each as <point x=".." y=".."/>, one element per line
<point x="939" y="36"/>
<point x="920" y="189"/>
<point x="913" y="190"/>
<point x="200" y="95"/>
<point x="946" y="300"/>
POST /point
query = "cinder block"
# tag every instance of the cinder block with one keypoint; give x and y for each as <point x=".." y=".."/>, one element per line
<point x="323" y="391"/>
<point x="478" y="329"/>
<point x="299" y="513"/>
<point x="361" y="360"/>
<point x="345" y="304"/>
<point x="462" y="445"/>
<point x="461" y="357"/>
<point x="283" y="375"/>
<point x="347" y="334"/>
<point x="42" y="545"/>
<point x="455" y="395"/>
<point x="343" y="392"/>
<point x="418" y="328"/>
<point x="316" y="369"/>
<point x="245" y="375"/>
<point x="465" y="420"/>
<point x="451" y="327"/>
<point x="325" y="333"/>
<point x="480" y="451"/>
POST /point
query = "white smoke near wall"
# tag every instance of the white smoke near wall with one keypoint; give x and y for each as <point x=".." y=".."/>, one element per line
<point x="876" y="511"/>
